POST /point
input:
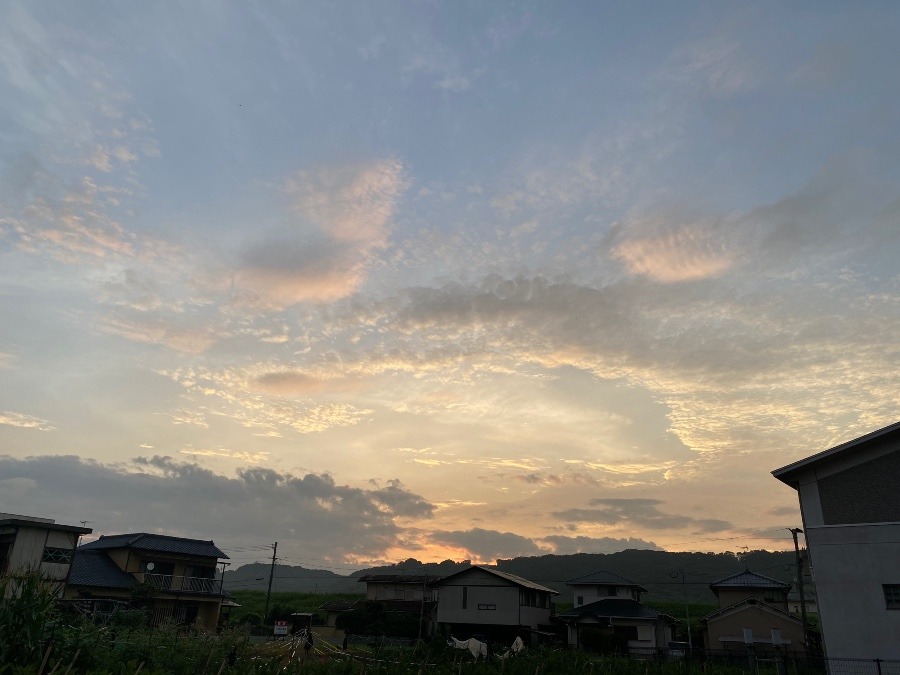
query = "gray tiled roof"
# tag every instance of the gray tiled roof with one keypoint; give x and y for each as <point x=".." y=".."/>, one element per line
<point x="156" y="542"/>
<point x="94" y="568"/>
<point x="748" y="579"/>
<point x="517" y="580"/>
<point x="604" y="579"/>
<point x="614" y="608"/>
<point x="398" y="578"/>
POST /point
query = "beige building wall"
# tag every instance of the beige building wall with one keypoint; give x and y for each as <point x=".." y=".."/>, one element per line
<point x="728" y="631"/>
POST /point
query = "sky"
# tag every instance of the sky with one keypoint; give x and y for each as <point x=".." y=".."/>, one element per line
<point x="465" y="280"/>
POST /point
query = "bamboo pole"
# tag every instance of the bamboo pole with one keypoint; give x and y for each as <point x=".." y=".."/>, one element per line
<point x="74" y="659"/>
<point x="46" y="656"/>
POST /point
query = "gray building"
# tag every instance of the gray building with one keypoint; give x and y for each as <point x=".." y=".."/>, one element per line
<point x="38" y="545"/>
<point x="483" y="601"/>
<point x="850" y="501"/>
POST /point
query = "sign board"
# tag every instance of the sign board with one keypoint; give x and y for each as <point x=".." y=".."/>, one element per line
<point x="282" y="628"/>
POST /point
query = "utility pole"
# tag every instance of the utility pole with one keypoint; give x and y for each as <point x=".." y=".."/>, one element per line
<point x="422" y="610"/>
<point x="687" y="611"/>
<point x="794" y="532"/>
<point x="271" y="575"/>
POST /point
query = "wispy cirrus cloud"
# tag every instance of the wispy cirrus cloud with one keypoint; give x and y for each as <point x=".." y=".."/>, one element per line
<point x="235" y="394"/>
<point x="15" y="419"/>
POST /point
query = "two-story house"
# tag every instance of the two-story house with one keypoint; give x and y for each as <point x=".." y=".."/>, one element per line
<point x="411" y="594"/>
<point x="41" y="545"/>
<point x="753" y="613"/>
<point x="483" y="601"/>
<point x="602" y="585"/>
<point x="174" y="577"/>
<point x="850" y="503"/>
<point x="607" y="602"/>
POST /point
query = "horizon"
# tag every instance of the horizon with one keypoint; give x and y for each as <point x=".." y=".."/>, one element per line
<point x="445" y="281"/>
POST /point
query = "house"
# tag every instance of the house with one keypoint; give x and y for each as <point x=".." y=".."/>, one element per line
<point x="404" y="593"/>
<point x="35" y="544"/>
<point x="644" y="630"/>
<point x="601" y="585"/>
<point x="399" y="587"/>
<point x="753" y="615"/>
<point x="484" y="601"/>
<point x="175" y="578"/>
<point x="334" y="608"/>
<point x="809" y="600"/>
<point x="747" y="585"/>
<point x="850" y="505"/>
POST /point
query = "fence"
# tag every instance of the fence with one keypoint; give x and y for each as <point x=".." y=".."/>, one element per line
<point x="768" y="661"/>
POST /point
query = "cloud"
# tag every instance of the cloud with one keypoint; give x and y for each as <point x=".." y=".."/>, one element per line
<point x="351" y="209"/>
<point x="233" y="393"/>
<point x="160" y="330"/>
<point x="563" y="545"/>
<point x="14" y="419"/>
<point x="310" y="514"/>
<point x="244" y="456"/>
<point x="487" y="545"/>
<point x="288" y="383"/>
<point x="667" y="251"/>
<point x="717" y="65"/>
<point x="640" y="512"/>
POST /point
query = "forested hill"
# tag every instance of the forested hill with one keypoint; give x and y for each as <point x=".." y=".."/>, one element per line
<point x="658" y="571"/>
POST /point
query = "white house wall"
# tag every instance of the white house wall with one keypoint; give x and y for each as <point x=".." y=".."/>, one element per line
<point x="855" y="622"/>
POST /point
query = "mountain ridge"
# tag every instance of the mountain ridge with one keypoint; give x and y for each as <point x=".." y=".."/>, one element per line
<point x="660" y="572"/>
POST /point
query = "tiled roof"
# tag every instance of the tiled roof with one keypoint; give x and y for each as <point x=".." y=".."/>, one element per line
<point x="156" y="542"/>
<point x="605" y="579"/>
<point x="398" y="578"/>
<point x="517" y="580"/>
<point x="613" y="608"/>
<point x="748" y="579"/>
<point x="94" y="568"/>
<point x="338" y="605"/>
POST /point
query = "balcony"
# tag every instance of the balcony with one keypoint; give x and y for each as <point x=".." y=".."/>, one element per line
<point x="180" y="584"/>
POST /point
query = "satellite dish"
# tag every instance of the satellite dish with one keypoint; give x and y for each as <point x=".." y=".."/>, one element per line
<point x="150" y="567"/>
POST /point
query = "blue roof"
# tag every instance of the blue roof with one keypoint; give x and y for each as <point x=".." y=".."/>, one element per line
<point x="156" y="542"/>
<point x="94" y="568"/>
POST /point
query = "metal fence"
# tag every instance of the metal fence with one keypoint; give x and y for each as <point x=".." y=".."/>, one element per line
<point x="768" y="661"/>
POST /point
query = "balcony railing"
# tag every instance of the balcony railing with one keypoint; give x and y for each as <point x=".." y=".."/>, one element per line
<point x="180" y="584"/>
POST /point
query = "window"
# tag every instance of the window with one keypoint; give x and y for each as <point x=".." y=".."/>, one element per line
<point x="611" y="591"/>
<point x="465" y="596"/>
<point x="57" y="555"/>
<point x="580" y="599"/>
<point x="627" y="632"/>
<point x="891" y="596"/>
<point x="486" y="606"/>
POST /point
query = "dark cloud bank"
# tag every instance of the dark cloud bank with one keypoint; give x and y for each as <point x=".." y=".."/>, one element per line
<point x="309" y="515"/>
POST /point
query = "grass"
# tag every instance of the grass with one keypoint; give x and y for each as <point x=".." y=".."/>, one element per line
<point x="254" y="602"/>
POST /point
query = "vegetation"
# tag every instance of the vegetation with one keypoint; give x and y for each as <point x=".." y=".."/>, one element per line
<point x="281" y="605"/>
<point x="37" y="637"/>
